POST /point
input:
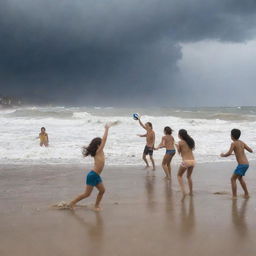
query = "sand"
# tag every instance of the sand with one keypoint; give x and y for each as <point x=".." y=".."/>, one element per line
<point x="142" y="214"/>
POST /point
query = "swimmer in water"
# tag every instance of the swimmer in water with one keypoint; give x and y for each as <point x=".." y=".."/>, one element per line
<point x="167" y="143"/>
<point x="185" y="148"/>
<point x="44" y="139"/>
<point x="93" y="179"/>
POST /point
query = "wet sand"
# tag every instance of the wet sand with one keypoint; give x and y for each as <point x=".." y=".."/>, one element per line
<point x="142" y="214"/>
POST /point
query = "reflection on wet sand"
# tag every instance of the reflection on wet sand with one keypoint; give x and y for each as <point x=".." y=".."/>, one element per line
<point x="169" y="202"/>
<point x="94" y="233"/>
<point x="150" y="191"/>
<point x="187" y="216"/>
<point x="239" y="218"/>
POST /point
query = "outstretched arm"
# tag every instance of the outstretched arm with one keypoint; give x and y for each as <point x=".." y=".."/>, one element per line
<point x="142" y="135"/>
<point x="229" y="152"/>
<point x="162" y="144"/>
<point x="104" y="138"/>
<point x="178" y="145"/>
<point x="248" y="148"/>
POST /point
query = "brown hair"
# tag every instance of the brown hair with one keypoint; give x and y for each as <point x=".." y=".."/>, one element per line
<point x="92" y="148"/>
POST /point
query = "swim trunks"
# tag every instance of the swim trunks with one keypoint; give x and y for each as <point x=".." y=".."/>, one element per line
<point x="93" y="179"/>
<point x="188" y="163"/>
<point x="170" y="151"/>
<point x="241" y="169"/>
<point x="148" y="151"/>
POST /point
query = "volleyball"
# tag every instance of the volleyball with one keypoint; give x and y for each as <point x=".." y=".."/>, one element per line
<point x="136" y="116"/>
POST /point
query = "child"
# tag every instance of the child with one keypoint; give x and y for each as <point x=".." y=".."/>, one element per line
<point x="150" y="141"/>
<point x="95" y="149"/>
<point x="168" y="143"/>
<point x="238" y="147"/>
<point x="185" y="148"/>
<point x="44" y="139"/>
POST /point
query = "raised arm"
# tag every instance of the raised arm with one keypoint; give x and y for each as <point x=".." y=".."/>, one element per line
<point x="142" y="135"/>
<point x="142" y="125"/>
<point x="248" y="148"/>
<point x="229" y="152"/>
<point x="104" y="138"/>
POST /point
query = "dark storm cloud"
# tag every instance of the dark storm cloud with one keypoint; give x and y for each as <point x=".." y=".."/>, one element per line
<point x="109" y="51"/>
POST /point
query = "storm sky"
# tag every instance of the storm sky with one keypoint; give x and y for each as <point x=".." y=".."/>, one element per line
<point x="121" y="52"/>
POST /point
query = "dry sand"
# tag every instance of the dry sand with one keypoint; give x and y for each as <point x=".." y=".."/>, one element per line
<point x="142" y="214"/>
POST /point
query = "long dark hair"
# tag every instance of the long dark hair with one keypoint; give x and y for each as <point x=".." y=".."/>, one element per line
<point x="184" y="135"/>
<point x="92" y="148"/>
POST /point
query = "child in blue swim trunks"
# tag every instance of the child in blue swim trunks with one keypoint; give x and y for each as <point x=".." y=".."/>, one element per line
<point x="93" y="179"/>
<point x="238" y="147"/>
<point x="167" y="143"/>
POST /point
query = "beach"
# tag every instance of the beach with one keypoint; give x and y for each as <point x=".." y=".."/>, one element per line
<point x="142" y="214"/>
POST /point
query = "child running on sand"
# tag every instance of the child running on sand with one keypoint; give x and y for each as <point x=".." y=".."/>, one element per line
<point x="168" y="143"/>
<point x="185" y="148"/>
<point x="43" y="136"/>
<point x="93" y="179"/>
<point x="238" y="147"/>
<point x="150" y="141"/>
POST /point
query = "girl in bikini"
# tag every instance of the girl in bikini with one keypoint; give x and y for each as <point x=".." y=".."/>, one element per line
<point x="168" y="143"/>
<point x="93" y="179"/>
<point x="185" y="148"/>
<point x="43" y="136"/>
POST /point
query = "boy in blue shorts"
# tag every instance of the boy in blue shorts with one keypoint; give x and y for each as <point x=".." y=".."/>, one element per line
<point x="238" y="147"/>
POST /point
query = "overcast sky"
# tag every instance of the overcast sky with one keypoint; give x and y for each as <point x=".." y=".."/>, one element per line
<point x="116" y="52"/>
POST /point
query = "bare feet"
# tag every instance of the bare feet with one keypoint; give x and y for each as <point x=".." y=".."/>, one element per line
<point x="70" y="206"/>
<point x="246" y="196"/>
<point x="234" y="197"/>
<point x="184" y="193"/>
<point x="97" y="209"/>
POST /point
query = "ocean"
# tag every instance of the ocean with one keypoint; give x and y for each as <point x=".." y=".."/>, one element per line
<point x="71" y="128"/>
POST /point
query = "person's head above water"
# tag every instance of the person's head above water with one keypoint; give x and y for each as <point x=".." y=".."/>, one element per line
<point x="92" y="148"/>
<point x="43" y="129"/>
<point x="149" y="125"/>
<point x="168" y="130"/>
<point x="235" y="134"/>
<point x="183" y="134"/>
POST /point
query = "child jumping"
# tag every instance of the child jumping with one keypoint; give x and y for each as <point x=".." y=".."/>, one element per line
<point x="93" y="179"/>
<point x="168" y="143"/>
<point x="185" y="148"/>
<point x="150" y="141"/>
<point x="238" y="147"/>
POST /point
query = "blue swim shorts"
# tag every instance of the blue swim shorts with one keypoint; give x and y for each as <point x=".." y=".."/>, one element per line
<point x="93" y="179"/>
<point x="170" y="151"/>
<point x="241" y="169"/>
